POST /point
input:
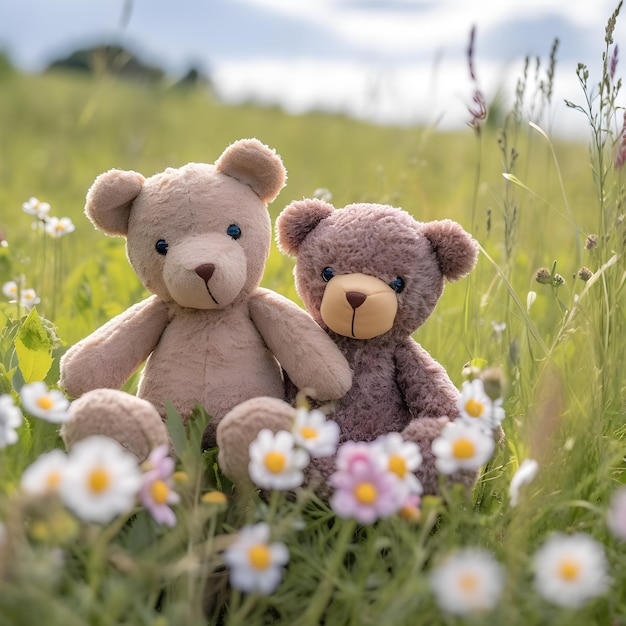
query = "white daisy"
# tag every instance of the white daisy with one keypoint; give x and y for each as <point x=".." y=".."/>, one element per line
<point x="101" y="480"/>
<point x="476" y="406"/>
<point x="47" y="404"/>
<point x="313" y="432"/>
<point x="470" y="581"/>
<point x="36" y="207"/>
<point x="28" y="298"/>
<point x="524" y="475"/>
<point x="10" y="419"/>
<point x="570" y="569"/>
<point x="461" y="446"/>
<point x="275" y="462"/>
<point x="10" y="289"/>
<point x="403" y="458"/>
<point x="45" y="474"/>
<point x="255" y="564"/>
<point x="57" y="227"/>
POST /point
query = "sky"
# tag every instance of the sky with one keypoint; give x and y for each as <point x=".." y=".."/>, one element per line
<point x="387" y="61"/>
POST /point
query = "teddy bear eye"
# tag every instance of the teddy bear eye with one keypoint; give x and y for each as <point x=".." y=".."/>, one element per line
<point x="397" y="284"/>
<point x="161" y="246"/>
<point x="327" y="273"/>
<point x="233" y="231"/>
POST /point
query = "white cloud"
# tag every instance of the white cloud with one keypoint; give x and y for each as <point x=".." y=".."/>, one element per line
<point x="384" y="60"/>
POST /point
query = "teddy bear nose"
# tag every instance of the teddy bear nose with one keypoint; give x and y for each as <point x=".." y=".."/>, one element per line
<point x="355" y="298"/>
<point x="205" y="271"/>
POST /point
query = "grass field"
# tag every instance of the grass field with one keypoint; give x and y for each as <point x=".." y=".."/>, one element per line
<point x="561" y="352"/>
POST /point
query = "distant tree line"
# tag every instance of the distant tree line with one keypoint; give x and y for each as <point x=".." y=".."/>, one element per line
<point x="117" y="60"/>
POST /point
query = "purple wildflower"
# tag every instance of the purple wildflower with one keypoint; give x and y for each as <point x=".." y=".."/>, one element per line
<point x="470" y="53"/>
<point x="156" y="492"/>
<point x="613" y="62"/>
<point x="479" y="111"/>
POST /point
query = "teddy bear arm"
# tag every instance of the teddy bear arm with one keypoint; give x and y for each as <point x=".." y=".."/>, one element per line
<point x="108" y="356"/>
<point x="432" y="400"/>
<point x="424" y="383"/>
<point x="304" y="350"/>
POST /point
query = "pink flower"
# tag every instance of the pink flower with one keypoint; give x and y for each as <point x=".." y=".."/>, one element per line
<point x="364" y="489"/>
<point x="410" y="509"/>
<point x="354" y="453"/>
<point x="156" y="493"/>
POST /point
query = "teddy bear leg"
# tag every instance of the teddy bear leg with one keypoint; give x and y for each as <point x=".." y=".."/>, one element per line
<point x="240" y="427"/>
<point x="422" y="431"/>
<point x="131" y="421"/>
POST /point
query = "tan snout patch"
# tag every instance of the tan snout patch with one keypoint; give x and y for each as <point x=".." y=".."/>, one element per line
<point x="358" y="306"/>
<point x="186" y="273"/>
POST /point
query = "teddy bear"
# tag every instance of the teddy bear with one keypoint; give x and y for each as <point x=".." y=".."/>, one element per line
<point x="198" y="237"/>
<point x="370" y="275"/>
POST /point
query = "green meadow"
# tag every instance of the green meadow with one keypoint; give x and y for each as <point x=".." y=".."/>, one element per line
<point x="531" y="200"/>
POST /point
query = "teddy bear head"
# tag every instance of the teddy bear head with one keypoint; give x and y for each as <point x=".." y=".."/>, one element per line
<point x="198" y="235"/>
<point x="371" y="270"/>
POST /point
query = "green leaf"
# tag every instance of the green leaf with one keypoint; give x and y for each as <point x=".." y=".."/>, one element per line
<point x="5" y="380"/>
<point x="176" y="429"/>
<point x="33" y="346"/>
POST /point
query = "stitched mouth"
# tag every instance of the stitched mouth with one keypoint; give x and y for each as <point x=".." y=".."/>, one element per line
<point x="352" y="326"/>
<point x="210" y="294"/>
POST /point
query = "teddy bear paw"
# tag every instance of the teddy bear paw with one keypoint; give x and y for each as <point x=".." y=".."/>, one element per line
<point x="240" y="427"/>
<point x="132" y="422"/>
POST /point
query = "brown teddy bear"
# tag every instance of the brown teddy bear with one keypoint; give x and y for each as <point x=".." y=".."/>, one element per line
<point x="370" y="275"/>
<point x="198" y="238"/>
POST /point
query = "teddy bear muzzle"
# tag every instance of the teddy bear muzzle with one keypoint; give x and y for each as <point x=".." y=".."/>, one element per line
<point x="206" y="273"/>
<point x="358" y="306"/>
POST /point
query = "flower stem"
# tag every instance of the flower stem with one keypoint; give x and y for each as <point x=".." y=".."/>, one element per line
<point x="320" y="600"/>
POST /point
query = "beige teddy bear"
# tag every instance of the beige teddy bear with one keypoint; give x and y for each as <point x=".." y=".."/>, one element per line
<point x="198" y="238"/>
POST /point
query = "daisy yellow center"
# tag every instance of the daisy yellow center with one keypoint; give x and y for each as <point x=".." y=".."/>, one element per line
<point x="159" y="492"/>
<point x="308" y="432"/>
<point x="474" y="408"/>
<point x="397" y="465"/>
<point x="275" y="462"/>
<point x="410" y="513"/>
<point x="98" y="480"/>
<point x="569" y="569"/>
<point x="259" y="556"/>
<point x="463" y="449"/>
<point x="214" y="497"/>
<point x="60" y="227"/>
<point x="366" y="493"/>
<point x="53" y="480"/>
<point x="45" y="403"/>
<point x="468" y="582"/>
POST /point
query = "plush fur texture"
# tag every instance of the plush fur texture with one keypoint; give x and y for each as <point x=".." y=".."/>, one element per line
<point x="198" y="238"/>
<point x="348" y="262"/>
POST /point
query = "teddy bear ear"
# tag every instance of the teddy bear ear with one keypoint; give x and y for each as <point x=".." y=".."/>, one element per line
<point x="109" y="200"/>
<point x="297" y="220"/>
<point x="456" y="250"/>
<point x="256" y="165"/>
